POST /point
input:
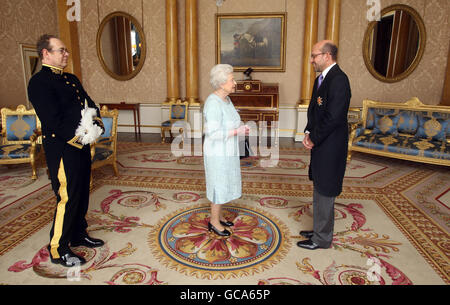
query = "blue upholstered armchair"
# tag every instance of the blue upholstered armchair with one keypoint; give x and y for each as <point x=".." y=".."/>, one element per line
<point x="104" y="151"/>
<point x="20" y="137"/>
<point x="178" y="118"/>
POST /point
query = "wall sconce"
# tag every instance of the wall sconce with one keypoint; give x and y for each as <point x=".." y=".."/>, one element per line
<point x="219" y="2"/>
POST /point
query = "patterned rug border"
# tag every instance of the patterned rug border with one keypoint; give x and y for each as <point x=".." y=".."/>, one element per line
<point x="435" y="257"/>
<point x="42" y="214"/>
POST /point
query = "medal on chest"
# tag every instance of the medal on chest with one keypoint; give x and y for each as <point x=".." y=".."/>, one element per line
<point x="319" y="101"/>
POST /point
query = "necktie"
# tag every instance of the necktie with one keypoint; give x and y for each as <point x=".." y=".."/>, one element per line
<point x="320" y="81"/>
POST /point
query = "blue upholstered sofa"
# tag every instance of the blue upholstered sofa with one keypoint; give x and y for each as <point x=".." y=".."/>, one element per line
<point x="410" y="131"/>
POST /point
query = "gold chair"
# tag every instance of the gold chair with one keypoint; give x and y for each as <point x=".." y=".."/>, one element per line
<point x="20" y="137"/>
<point x="104" y="151"/>
<point x="178" y="119"/>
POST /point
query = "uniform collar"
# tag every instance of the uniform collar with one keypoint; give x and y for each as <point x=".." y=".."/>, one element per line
<point x="54" y="69"/>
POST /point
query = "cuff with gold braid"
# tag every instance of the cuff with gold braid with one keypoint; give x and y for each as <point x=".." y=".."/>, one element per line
<point x="75" y="142"/>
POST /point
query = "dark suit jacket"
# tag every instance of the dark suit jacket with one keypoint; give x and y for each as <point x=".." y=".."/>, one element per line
<point x="328" y="127"/>
<point x="58" y="100"/>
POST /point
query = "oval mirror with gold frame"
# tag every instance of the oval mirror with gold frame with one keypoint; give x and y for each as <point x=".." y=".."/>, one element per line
<point x="394" y="46"/>
<point x="121" y="46"/>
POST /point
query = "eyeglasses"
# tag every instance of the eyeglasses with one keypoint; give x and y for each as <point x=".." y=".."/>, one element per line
<point x="61" y="51"/>
<point x="313" y="56"/>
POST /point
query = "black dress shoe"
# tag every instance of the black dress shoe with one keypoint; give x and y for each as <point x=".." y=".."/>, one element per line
<point x="68" y="259"/>
<point x="308" y="244"/>
<point x="226" y="223"/>
<point x="87" y="242"/>
<point x="225" y="232"/>
<point x="307" y="234"/>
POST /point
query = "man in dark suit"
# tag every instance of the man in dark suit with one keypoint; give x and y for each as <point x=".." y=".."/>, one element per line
<point x="58" y="99"/>
<point x="326" y="135"/>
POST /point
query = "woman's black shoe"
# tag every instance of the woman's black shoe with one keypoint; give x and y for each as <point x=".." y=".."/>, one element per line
<point x="225" y="232"/>
<point x="226" y="223"/>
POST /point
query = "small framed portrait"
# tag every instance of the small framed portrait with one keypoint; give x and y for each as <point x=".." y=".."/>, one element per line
<point x="256" y="41"/>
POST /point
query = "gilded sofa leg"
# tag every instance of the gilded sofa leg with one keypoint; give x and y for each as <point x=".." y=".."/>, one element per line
<point x="351" y="138"/>
<point x="116" y="170"/>
<point x="181" y="131"/>
<point x="32" y="158"/>
<point x="33" y="164"/>
<point x="33" y="169"/>
<point x="163" y="135"/>
<point x="349" y="156"/>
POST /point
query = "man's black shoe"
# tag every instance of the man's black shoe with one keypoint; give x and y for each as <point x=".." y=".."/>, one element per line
<point x="87" y="242"/>
<point x="68" y="259"/>
<point x="307" y="234"/>
<point x="308" y="244"/>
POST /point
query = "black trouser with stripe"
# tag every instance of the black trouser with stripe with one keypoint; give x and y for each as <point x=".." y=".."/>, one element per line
<point x="70" y="176"/>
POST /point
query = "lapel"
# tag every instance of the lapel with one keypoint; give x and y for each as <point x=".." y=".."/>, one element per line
<point x="321" y="93"/>
<point x="330" y="75"/>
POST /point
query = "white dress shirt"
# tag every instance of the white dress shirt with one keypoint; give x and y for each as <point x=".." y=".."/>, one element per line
<point x="324" y="73"/>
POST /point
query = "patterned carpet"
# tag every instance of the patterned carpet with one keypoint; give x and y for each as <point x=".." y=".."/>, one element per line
<point x="392" y="224"/>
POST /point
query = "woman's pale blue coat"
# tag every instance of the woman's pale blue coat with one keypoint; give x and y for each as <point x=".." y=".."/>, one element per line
<point x="221" y="152"/>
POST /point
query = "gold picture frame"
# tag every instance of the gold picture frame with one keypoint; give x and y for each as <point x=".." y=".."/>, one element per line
<point x="31" y="64"/>
<point x="256" y="40"/>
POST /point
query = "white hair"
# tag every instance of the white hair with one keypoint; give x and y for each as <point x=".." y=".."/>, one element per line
<point x="219" y="75"/>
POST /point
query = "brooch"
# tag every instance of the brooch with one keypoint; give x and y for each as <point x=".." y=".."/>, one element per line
<point x="319" y="101"/>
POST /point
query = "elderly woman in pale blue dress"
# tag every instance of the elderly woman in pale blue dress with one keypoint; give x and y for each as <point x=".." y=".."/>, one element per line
<point x="221" y="147"/>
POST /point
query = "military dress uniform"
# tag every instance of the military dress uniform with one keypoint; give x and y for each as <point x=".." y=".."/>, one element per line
<point x="58" y="99"/>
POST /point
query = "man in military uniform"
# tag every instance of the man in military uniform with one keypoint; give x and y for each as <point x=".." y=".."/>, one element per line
<point x="58" y="99"/>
